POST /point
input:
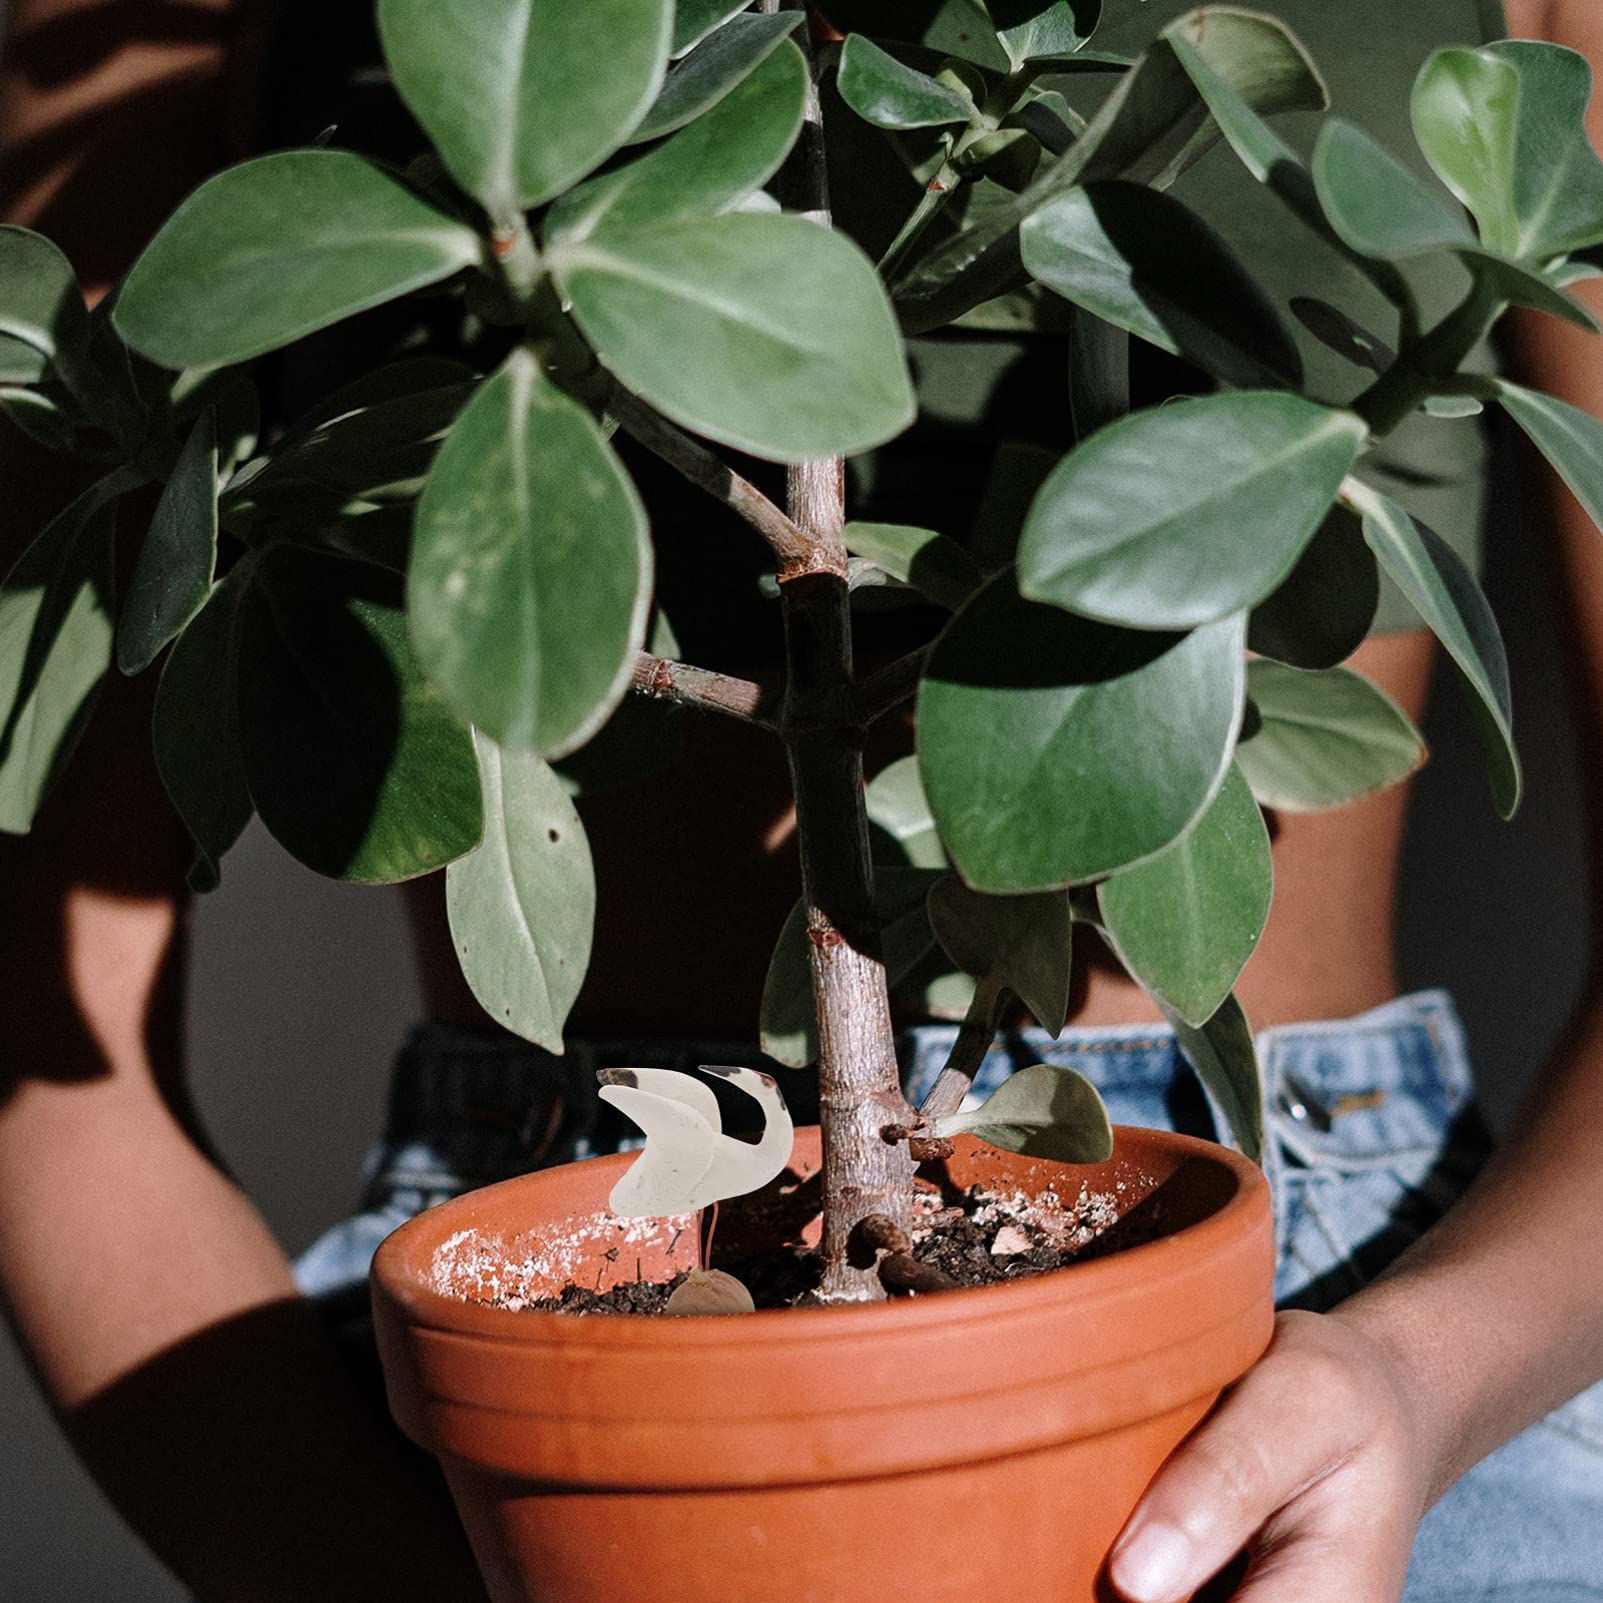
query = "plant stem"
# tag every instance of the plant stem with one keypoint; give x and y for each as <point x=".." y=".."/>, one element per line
<point x="1424" y="365"/>
<point x="686" y="686"/>
<point x="795" y="551"/>
<point x="859" y="1081"/>
<point x="887" y="688"/>
<point x="968" y="1051"/>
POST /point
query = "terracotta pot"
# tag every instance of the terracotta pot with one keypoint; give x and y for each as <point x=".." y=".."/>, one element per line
<point x="981" y="1444"/>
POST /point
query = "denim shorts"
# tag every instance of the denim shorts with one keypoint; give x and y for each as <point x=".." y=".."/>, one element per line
<point x="1371" y="1134"/>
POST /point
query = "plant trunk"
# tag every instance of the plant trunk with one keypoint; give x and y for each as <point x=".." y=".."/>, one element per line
<point x="859" y="1081"/>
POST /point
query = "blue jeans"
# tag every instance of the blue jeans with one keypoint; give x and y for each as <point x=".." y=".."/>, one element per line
<point x="1371" y="1135"/>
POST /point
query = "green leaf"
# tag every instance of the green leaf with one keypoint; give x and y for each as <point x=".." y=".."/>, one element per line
<point x="1041" y="30"/>
<point x="1446" y="595"/>
<point x="173" y="575"/>
<point x="1226" y="1061"/>
<point x="705" y="168"/>
<point x="1271" y="160"/>
<point x="883" y="91"/>
<point x="1044" y="1111"/>
<point x="769" y="334"/>
<point x="1377" y="205"/>
<point x="1027" y="721"/>
<point x="55" y="647"/>
<point x="1570" y="439"/>
<point x="789" y="1026"/>
<point x="522" y="905"/>
<point x="42" y="315"/>
<point x="1099" y="374"/>
<point x="280" y="247"/>
<point x="1186" y="513"/>
<point x="1522" y="286"/>
<point x="1022" y="942"/>
<point x="896" y="804"/>
<point x="196" y="729"/>
<point x="356" y="765"/>
<point x="717" y="65"/>
<point x="530" y="579"/>
<point x="933" y="564"/>
<point x="1186" y="922"/>
<point x="960" y="28"/>
<point x="1322" y="610"/>
<point x="524" y="97"/>
<point x="1151" y="127"/>
<point x="1323" y="739"/>
<point x="380" y="452"/>
<point x="694" y="19"/>
<point x="1505" y="129"/>
<point x="1140" y="260"/>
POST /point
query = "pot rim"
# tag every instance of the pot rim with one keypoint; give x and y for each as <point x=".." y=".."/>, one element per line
<point x="1110" y="1278"/>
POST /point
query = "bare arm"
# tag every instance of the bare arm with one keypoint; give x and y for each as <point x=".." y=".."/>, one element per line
<point x="158" y="1311"/>
<point x="1326" y="1456"/>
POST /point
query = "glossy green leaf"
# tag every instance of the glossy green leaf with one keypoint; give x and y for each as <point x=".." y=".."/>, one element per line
<point x="693" y="20"/>
<point x="279" y="247"/>
<point x="1140" y="260"/>
<point x="897" y="805"/>
<point x="55" y="647"/>
<point x="933" y="564"/>
<point x="196" y="730"/>
<point x="1323" y="739"/>
<point x="1151" y="127"/>
<point x="524" y="97"/>
<point x="1040" y="30"/>
<point x="1026" y="739"/>
<point x="889" y="94"/>
<point x="705" y="168"/>
<point x="1187" y="513"/>
<point x="1504" y="127"/>
<point x="1185" y="922"/>
<point x="1570" y="439"/>
<point x="531" y="565"/>
<point x="720" y="62"/>
<point x="1044" y="1111"/>
<point x="769" y="334"/>
<point x="1376" y="204"/>
<point x="1226" y="1061"/>
<point x="522" y="905"/>
<point x="356" y="764"/>
<point x="42" y="315"/>
<point x="173" y="575"/>
<point x="1446" y="595"/>
<point x="789" y="1029"/>
<point x="1022" y="942"/>
<point x="1321" y="612"/>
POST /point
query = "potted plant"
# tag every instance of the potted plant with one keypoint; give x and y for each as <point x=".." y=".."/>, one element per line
<point x="381" y="629"/>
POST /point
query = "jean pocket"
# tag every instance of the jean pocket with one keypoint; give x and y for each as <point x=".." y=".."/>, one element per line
<point x="1348" y="1213"/>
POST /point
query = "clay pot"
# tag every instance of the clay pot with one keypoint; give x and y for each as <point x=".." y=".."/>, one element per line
<point x="987" y="1443"/>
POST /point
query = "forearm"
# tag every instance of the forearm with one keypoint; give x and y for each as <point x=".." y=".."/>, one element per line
<point x="1495" y="1317"/>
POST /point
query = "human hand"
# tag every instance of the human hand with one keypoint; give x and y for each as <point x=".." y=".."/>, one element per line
<point x="1315" y="1461"/>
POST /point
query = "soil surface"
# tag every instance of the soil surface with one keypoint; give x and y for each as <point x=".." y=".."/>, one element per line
<point x="974" y="1238"/>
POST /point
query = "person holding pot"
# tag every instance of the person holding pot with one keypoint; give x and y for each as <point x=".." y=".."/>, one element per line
<point x="1400" y="1420"/>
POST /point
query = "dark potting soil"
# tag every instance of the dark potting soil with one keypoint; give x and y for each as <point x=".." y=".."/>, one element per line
<point x="976" y="1240"/>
